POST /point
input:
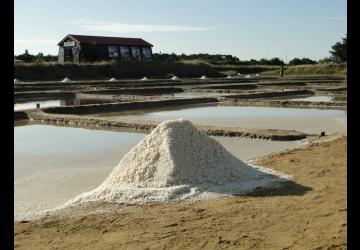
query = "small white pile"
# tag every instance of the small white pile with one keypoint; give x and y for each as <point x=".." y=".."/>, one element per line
<point x="112" y="80"/>
<point x="203" y="78"/>
<point x="238" y="74"/>
<point x="66" y="80"/>
<point x="174" y="78"/>
<point x="178" y="162"/>
<point x="144" y="79"/>
<point x="229" y="77"/>
<point x="248" y="76"/>
<point x="16" y="81"/>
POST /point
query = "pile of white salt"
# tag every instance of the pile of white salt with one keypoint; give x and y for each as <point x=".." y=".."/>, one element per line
<point x="176" y="162"/>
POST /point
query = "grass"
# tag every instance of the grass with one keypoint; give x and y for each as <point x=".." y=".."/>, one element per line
<point x="159" y="69"/>
<point x="105" y="70"/>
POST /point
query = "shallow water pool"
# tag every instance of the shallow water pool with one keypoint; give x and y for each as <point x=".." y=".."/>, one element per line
<point x="314" y="99"/>
<point x="54" y="164"/>
<point x="306" y="120"/>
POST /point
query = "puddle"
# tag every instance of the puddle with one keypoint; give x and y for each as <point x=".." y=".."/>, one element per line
<point x="315" y="99"/>
<point x="54" y="164"/>
<point x="57" y="103"/>
<point x="306" y="120"/>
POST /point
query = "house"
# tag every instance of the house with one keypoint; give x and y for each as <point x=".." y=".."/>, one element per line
<point x="81" y="48"/>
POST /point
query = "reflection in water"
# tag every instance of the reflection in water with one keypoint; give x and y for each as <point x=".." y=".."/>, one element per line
<point x="315" y="99"/>
<point x="44" y="139"/>
<point x="304" y="120"/>
<point x="54" y="164"/>
<point x="58" y="103"/>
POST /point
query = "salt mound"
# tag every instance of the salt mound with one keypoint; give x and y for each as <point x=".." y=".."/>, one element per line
<point x="66" y="80"/>
<point x="238" y="74"/>
<point x="175" y="78"/>
<point x="112" y="80"/>
<point x="144" y="79"/>
<point x="257" y="75"/>
<point x="203" y="78"/>
<point x="228" y="77"/>
<point x="177" y="161"/>
<point x="16" y="81"/>
<point x="248" y="76"/>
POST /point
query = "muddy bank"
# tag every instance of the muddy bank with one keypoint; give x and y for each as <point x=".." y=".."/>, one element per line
<point x="20" y="115"/>
<point x="232" y="86"/>
<point x="42" y="95"/>
<point x="272" y="94"/>
<point x="309" y="213"/>
<point x="125" y="106"/>
<point x="147" y="126"/>
<point x="286" y="103"/>
<point x="137" y="91"/>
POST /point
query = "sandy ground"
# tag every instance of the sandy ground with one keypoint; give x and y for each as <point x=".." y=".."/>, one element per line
<point x="308" y="213"/>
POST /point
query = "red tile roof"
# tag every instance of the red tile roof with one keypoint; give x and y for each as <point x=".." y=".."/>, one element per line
<point x="105" y="40"/>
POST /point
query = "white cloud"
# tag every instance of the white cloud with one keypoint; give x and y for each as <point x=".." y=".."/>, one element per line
<point x="130" y="28"/>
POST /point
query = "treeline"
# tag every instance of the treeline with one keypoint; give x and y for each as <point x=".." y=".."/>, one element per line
<point x="215" y="59"/>
<point x="230" y="60"/>
<point x="39" y="58"/>
<point x="338" y="54"/>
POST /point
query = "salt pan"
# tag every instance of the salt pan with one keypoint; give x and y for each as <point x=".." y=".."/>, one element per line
<point x="175" y="162"/>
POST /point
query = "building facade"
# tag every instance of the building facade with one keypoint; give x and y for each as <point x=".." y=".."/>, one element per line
<point x="80" y="48"/>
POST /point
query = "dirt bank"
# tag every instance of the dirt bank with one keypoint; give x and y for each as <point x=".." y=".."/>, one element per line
<point x="286" y="103"/>
<point x="309" y="213"/>
<point x="147" y="126"/>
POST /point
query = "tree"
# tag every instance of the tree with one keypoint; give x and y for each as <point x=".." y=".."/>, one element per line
<point x="26" y="57"/>
<point x="339" y="50"/>
<point x="303" y="61"/>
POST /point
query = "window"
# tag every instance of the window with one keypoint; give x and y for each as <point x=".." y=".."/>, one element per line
<point x="124" y="52"/>
<point x="146" y="52"/>
<point x="113" y="52"/>
<point x="135" y="51"/>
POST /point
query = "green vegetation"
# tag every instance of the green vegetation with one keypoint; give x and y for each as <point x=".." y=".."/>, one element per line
<point x="40" y="67"/>
<point x="39" y="58"/>
<point x="340" y="98"/>
<point x="214" y="59"/>
<point x="339" y="51"/>
<point x="318" y="69"/>
<point x="303" y="61"/>
<point x="106" y="70"/>
<point x="155" y="69"/>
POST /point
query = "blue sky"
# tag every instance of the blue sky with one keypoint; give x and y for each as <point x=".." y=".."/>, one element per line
<point x="244" y="28"/>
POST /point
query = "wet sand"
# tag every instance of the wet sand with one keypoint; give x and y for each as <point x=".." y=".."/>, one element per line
<point x="308" y="213"/>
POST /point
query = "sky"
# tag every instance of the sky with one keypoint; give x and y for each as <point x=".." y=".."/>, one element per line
<point x="248" y="29"/>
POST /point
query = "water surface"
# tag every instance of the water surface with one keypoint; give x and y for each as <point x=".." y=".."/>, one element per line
<point x="315" y="99"/>
<point x="306" y="120"/>
<point x="54" y="164"/>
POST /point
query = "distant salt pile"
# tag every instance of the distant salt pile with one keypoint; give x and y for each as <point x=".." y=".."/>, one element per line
<point x="257" y="75"/>
<point x="144" y="79"/>
<point x="66" y="80"/>
<point x="248" y="76"/>
<point x="229" y="77"/>
<point x="174" y="78"/>
<point x="238" y="74"/>
<point x="176" y="162"/>
<point x="16" y="81"/>
<point x="203" y="78"/>
<point x="112" y="80"/>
